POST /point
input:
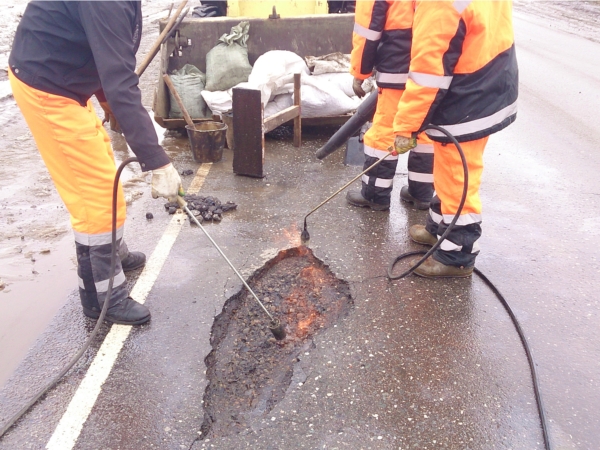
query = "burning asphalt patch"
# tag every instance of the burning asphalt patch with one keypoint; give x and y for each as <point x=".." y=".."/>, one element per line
<point x="248" y="370"/>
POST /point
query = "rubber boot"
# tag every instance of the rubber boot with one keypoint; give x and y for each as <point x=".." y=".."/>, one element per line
<point x="133" y="260"/>
<point x="355" y="198"/>
<point x="418" y="204"/>
<point x="126" y="312"/>
<point x="431" y="268"/>
<point x="130" y="260"/>
<point x="420" y="235"/>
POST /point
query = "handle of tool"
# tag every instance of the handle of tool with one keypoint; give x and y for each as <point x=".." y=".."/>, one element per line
<point x="156" y="46"/>
<point x="171" y="87"/>
<point x="372" y="166"/>
<point x="183" y="205"/>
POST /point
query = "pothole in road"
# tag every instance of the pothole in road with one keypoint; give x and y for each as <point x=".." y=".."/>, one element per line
<point x="248" y="370"/>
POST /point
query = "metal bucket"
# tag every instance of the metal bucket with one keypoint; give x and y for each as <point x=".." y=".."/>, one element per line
<point x="207" y="140"/>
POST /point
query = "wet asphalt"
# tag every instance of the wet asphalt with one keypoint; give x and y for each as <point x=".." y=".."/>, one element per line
<point x="416" y="363"/>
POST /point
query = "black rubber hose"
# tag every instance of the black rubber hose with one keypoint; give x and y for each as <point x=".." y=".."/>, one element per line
<point x="363" y="114"/>
<point x="534" y="376"/>
<point x="513" y="317"/>
<point x="86" y="345"/>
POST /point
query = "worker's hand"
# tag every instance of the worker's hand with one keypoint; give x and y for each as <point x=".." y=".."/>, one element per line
<point x="109" y="117"/>
<point x="166" y="183"/>
<point x="357" y="88"/>
<point x="107" y="112"/>
<point x="403" y="144"/>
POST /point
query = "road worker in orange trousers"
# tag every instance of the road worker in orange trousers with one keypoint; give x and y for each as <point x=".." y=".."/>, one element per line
<point x="463" y="77"/>
<point x="63" y="53"/>
<point x="381" y="42"/>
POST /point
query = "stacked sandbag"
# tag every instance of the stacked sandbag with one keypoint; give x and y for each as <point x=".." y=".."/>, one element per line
<point x="227" y="63"/>
<point x="328" y="93"/>
<point x="189" y="84"/>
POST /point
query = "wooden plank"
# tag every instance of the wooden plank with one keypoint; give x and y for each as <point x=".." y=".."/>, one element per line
<point x="248" y="154"/>
<point x="281" y="117"/>
<point x="298" y="119"/>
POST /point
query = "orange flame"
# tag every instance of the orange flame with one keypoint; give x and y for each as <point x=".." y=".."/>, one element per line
<point x="292" y="235"/>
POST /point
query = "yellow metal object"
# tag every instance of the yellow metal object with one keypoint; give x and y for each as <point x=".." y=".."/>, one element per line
<point x="285" y="8"/>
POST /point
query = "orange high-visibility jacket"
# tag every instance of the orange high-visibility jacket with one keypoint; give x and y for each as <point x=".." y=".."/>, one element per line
<point x="463" y="70"/>
<point x="381" y="41"/>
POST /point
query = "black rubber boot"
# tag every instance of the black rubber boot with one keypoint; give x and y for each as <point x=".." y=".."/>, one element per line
<point x="133" y="260"/>
<point x="355" y="198"/>
<point x="418" y="204"/>
<point x="126" y="312"/>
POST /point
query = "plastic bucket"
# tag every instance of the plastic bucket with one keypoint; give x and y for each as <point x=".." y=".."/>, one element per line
<point x="207" y="140"/>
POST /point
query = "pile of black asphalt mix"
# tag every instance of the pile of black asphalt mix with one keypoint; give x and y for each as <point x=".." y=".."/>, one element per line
<point x="204" y="208"/>
<point x="248" y="370"/>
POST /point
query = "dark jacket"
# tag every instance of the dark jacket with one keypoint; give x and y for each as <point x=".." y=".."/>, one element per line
<point x="75" y="49"/>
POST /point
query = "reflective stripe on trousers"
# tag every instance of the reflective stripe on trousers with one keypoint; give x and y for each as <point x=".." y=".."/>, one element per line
<point x="460" y="248"/>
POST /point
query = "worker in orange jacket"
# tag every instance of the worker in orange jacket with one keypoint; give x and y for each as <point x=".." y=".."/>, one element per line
<point x="381" y="42"/>
<point x="463" y="77"/>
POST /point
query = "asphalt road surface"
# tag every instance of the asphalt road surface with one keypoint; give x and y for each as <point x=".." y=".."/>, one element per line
<point x="415" y="363"/>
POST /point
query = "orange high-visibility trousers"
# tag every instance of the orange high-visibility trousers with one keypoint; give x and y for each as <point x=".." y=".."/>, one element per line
<point x="76" y="150"/>
<point x="79" y="157"/>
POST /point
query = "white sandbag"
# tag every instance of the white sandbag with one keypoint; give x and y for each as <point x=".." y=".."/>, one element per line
<point x="218" y="101"/>
<point x="332" y="63"/>
<point x="321" y="98"/>
<point x="275" y="69"/>
<point x="279" y="103"/>
<point x="344" y="82"/>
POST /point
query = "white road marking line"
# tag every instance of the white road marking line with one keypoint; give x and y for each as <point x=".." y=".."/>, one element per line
<point x="68" y="429"/>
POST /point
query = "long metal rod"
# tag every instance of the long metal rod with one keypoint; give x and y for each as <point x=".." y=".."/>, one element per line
<point x="346" y="185"/>
<point x="183" y="205"/>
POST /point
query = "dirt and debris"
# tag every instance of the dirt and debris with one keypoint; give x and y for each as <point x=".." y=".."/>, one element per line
<point x="203" y="208"/>
<point x="249" y="371"/>
<point x="149" y="215"/>
<point x="187" y="172"/>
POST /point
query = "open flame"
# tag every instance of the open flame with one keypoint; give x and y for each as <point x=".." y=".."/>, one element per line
<point x="292" y="235"/>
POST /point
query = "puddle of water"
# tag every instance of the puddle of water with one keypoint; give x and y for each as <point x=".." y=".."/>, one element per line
<point x="30" y="300"/>
<point x="248" y="370"/>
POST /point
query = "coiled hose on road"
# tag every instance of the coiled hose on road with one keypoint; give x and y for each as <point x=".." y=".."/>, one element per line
<point x="513" y="317"/>
<point x="86" y="345"/>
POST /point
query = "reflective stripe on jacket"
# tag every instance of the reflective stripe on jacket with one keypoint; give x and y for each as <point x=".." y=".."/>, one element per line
<point x="381" y="41"/>
<point x="463" y="71"/>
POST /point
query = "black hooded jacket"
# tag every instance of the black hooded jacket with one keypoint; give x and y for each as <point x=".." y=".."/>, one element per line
<point x="76" y="49"/>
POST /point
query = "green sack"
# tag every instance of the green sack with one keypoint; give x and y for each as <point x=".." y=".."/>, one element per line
<point x="227" y="63"/>
<point x="189" y="83"/>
